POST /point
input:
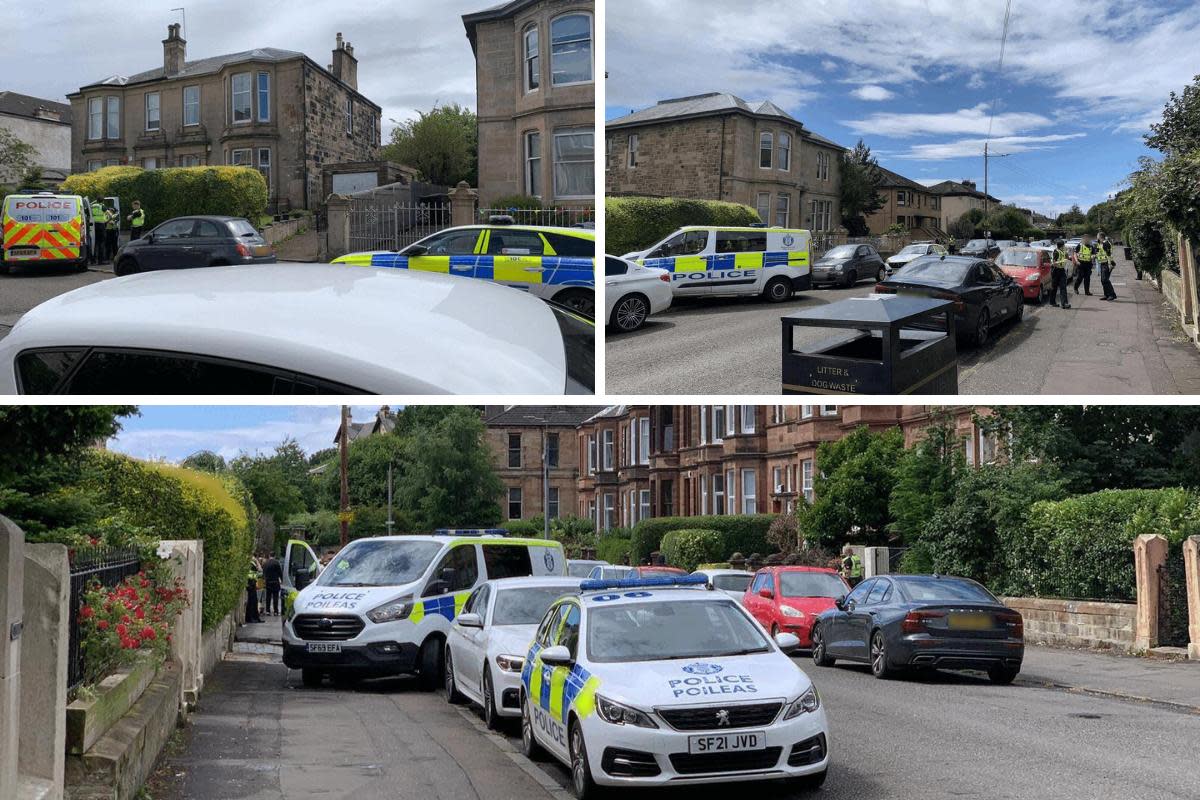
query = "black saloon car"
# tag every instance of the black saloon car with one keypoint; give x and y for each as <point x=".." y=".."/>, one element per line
<point x="902" y="622"/>
<point x="983" y="295"/>
<point x="980" y="248"/>
<point x="186" y="242"/>
<point x="847" y="263"/>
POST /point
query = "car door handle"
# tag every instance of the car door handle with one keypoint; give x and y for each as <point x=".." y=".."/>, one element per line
<point x="610" y="283"/>
<point x="534" y="269"/>
<point x="461" y="267"/>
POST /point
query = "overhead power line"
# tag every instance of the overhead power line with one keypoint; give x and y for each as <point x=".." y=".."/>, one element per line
<point x="995" y="105"/>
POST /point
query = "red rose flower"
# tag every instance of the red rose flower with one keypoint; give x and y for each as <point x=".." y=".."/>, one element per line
<point x="86" y="612"/>
<point x="122" y="630"/>
<point x="102" y="624"/>
<point x="140" y="613"/>
<point x="148" y="633"/>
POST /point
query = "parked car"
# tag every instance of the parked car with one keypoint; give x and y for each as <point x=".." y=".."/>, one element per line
<point x="901" y="622"/>
<point x="295" y="328"/>
<point x="732" y="582"/>
<point x="845" y="264"/>
<point x="789" y="599"/>
<point x="1004" y="244"/>
<point x="1030" y="268"/>
<point x="581" y="568"/>
<point x="186" y="242"/>
<point x="633" y="292"/>
<point x="983" y="295"/>
<point x="979" y="248"/>
<point x="911" y="253"/>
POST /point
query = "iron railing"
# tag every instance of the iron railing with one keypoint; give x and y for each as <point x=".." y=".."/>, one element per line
<point x="376" y="225"/>
<point x="105" y="566"/>
<point x="548" y="217"/>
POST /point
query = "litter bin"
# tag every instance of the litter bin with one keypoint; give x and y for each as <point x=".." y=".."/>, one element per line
<point x="886" y="344"/>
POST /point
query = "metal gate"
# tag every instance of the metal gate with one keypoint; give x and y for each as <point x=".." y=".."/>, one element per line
<point x="1172" y="601"/>
<point x="376" y="225"/>
<point x="92" y="565"/>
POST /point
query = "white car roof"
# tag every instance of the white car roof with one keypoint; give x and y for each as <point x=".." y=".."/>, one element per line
<point x="379" y="330"/>
<point x="535" y="582"/>
<point x="652" y="594"/>
<point x="712" y="573"/>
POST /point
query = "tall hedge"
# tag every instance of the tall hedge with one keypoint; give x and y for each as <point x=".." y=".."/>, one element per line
<point x="1082" y="547"/>
<point x="613" y="548"/>
<point x="635" y="223"/>
<point x="176" y="192"/>
<point x="740" y="533"/>
<point x="689" y="548"/>
<point x="179" y="503"/>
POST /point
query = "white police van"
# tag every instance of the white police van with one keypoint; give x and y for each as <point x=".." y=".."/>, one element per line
<point x="772" y="262"/>
<point x="384" y="605"/>
<point x="656" y="681"/>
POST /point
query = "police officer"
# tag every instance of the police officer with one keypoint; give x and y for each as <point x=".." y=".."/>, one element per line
<point x="98" y="239"/>
<point x="1105" y="262"/>
<point x="1085" y="256"/>
<point x="1058" y="275"/>
<point x="112" y="231"/>
<point x="852" y="568"/>
<point x="136" y="220"/>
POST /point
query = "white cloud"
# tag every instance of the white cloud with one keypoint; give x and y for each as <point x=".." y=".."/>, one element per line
<point x="960" y="148"/>
<point x="873" y="92"/>
<point x="966" y="120"/>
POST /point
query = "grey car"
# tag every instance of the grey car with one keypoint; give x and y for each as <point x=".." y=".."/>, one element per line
<point x="201" y="241"/>
<point x="902" y="622"/>
<point x="846" y="264"/>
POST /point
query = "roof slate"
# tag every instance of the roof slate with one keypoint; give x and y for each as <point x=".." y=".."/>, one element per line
<point x="542" y="415"/>
<point x="23" y="105"/>
<point x="202" y="66"/>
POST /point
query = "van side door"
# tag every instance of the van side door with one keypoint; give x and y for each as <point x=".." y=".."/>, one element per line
<point x="683" y="255"/>
<point x="450" y="583"/>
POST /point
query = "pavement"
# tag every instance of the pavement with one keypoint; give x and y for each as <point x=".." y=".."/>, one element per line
<point x="732" y="346"/>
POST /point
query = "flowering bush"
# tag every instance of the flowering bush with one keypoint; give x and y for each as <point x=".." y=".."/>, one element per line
<point x="116" y="623"/>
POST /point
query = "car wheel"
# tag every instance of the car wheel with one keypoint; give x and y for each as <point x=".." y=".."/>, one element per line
<point x="630" y="313"/>
<point x="490" y="717"/>
<point x="429" y="666"/>
<point x="580" y="300"/>
<point x="1020" y="312"/>
<point x="126" y="266"/>
<point x="879" y="657"/>
<point x="850" y="279"/>
<point x="809" y="783"/>
<point x="820" y="652"/>
<point x="582" y="785"/>
<point x="453" y="696"/>
<point x="312" y="678"/>
<point x="881" y="275"/>
<point x="1044" y="296"/>
<point x="1002" y="675"/>
<point x="778" y="290"/>
<point x="982" y="327"/>
<point x="529" y="746"/>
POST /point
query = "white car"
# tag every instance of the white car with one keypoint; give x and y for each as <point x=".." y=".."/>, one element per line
<point x="732" y="582"/>
<point x="293" y="328"/>
<point x="633" y="292"/>
<point x="911" y="253"/>
<point x="582" y="568"/>
<point x="485" y="650"/>
<point x="661" y="681"/>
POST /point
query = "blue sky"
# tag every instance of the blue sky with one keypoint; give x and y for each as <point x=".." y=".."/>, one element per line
<point x="172" y="433"/>
<point x="918" y="79"/>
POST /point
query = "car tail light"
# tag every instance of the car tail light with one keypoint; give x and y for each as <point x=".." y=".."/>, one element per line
<point x="915" y="621"/>
<point x="959" y="305"/>
<point x="881" y="289"/>
<point x="665" y="278"/>
<point x="243" y="250"/>
<point x="1014" y="621"/>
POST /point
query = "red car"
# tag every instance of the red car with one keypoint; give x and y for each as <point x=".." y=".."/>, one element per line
<point x="657" y="571"/>
<point x="788" y="599"/>
<point x="1030" y="268"/>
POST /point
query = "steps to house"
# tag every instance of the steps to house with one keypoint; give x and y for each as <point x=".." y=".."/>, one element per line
<point x="258" y="642"/>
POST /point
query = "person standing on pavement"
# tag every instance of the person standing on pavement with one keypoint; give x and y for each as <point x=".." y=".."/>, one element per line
<point x="136" y="220"/>
<point x="1105" y="262"/>
<point x="252" y="614"/>
<point x="852" y="568"/>
<point x="273" y="575"/>
<point x="112" y="231"/>
<point x="1058" y="275"/>
<point x="1085" y="257"/>
<point x="98" y="237"/>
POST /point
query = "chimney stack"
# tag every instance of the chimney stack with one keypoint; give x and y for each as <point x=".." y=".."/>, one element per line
<point x="174" y="50"/>
<point x="345" y="65"/>
<point x="969" y="184"/>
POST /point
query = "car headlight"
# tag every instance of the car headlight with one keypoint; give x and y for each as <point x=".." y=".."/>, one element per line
<point x="838" y="267"/>
<point x="618" y="714"/>
<point x="1034" y="276"/>
<point x="392" y="610"/>
<point x="510" y="663"/>
<point x="788" y="611"/>
<point x="806" y="703"/>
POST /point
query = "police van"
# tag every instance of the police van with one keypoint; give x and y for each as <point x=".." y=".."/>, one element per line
<point x="557" y="264"/>
<point x="384" y="605"/>
<point x="44" y="228"/>
<point x="772" y="262"/>
<point x="657" y="681"/>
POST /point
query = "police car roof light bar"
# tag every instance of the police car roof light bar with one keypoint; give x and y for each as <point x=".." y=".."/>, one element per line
<point x="470" y="532"/>
<point x="663" y="582"/>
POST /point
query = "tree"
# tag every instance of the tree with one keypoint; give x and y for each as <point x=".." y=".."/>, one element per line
<point x="926" y="478"/>
<point x="853" y="488"/>
<point x="442" y="144"/>
<point x="965" y="226"/>
<point x="205" y="461"/>
<point x="860" y="188"/>
<point x="367" y="462"/>
<point x="17" y="157"/>
<point x="36" y="435"/>
<point x="1179" y="130"/>
<point x="1104" y="216"/>
<point x="448" y="478"/>
<point x="1074" y="216"/>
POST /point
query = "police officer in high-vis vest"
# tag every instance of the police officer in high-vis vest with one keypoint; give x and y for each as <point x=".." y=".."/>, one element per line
<point x="852" y="568"/>
<point x="1058" y="275"/>
<point x="136" y="220"/>
<point x="1085" y="256"/>
<point x="99" y="250"/>
<point x="112" y="231"/>
<point x="1104" y="260"/>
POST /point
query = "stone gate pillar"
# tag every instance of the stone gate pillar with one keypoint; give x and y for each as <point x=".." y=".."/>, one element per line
<point x="462" y="204"/>
<point x="1191" y="566"/>
<point x="12" y="581"/>
<point x="1150" y="557"/>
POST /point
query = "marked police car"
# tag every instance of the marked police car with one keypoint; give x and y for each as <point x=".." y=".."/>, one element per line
<point x="656" y="681"/>
<point x="556" y="264"/>
<point x="773" y="262"/>
<point x="384" y="605"/>
<point x="485" y="651"/>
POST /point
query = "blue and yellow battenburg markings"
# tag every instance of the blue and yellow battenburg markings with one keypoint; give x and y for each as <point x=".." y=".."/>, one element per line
<point x="556" y="270"/>
<point x="449" y="606"/>
<point x="723" y="262"/>
<point x="557" y="689"/>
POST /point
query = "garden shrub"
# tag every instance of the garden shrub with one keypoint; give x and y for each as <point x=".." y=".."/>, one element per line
<point x="740" y="533"/>
<point x="614" y="547"/>
<point x="690" y="547"/>
<point x="634" y="223"/>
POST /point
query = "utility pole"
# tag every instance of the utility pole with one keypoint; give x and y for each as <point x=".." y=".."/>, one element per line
<point x="986" y="156"/>
<point x="545" y="485"/>
<point x="390" y="523"/>
<point x="344" y="506"/>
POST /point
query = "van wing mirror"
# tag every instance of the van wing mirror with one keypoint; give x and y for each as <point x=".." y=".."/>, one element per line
<point x="557" y="656"/>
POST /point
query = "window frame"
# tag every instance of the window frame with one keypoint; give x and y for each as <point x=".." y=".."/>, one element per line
<point x="511" y="450"/>
<point x="762" y="204"/>
<point x="591" y="45"/>
<point x="519" y="502"/>
<point x="533" y="71"/>
<point x="532" y="142"/>
<point x="349" y="112"/>
<point x="233" y="98"/>
<point x="785" y="151"/>
<point x="766" y="145"/>
<point x="590" y="161"/>
<point x="783" y="205"/>
<point x="633" y="151"/>
<point x="749" y="496"/>
<point x="552" y="502"/>
<point x="607" y="450"/>
<point x="112" y="116"/>
<point x="260" y="94"/>
<point x="186" y="105"/>
<point x="99" y="116"/>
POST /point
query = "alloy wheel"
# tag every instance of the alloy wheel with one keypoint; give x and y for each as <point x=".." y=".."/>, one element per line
<point x="489" y="707"/>
<point x="631" y="313"/>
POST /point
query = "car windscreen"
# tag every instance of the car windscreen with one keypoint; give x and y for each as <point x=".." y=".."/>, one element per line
<point x="578" y="336"/>
<point x="935" y="590"/>
<point x="731" y="583"/>
<point x="976" y="244"/>
<point x="375" y="562"/>
<point x="913" y="250"/>
<point x="1018" y="258"/>
<point x="935" y="269"/>
<point x="527" y="605"/>
<point x="841" y="251"/>
<point x="672" y="629"/>
<point x="580" y="569"/>
<point x="810" y="584"/>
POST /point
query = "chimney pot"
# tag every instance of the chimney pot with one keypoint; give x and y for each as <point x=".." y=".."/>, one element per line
<point x="174" y="50"/>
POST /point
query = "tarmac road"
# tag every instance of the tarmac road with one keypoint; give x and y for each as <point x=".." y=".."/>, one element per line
<point x="25" y="287"/>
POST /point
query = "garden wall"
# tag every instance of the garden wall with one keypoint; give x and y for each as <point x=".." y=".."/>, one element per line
<point x="1076" y="623"/>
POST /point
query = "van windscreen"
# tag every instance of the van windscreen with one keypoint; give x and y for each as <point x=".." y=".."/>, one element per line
<point x="379" y="562"/>
<point x="41" y="209"/>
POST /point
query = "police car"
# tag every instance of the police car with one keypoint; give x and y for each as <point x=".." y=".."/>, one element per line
<point x="556" y="264"/>
<point x="384" y="605"/>
<point x="656" y="681"/>
<point x="772" y="262"/>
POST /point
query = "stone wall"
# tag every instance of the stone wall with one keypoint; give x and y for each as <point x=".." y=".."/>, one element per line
<point x="682" y="159"/>
<point x="51" y="138"/>
<point x="528" y="476"/>
<point x="1171" y="286"/>
<point x="1076" y="623"/>
<point x="328" y="141"/>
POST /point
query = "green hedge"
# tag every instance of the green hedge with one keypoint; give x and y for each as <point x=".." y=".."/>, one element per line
<point x="635" y="223"/>
<point x="689" y="548"/>
<point x="741" y="533"/>
<point x="613" y="548"/>
<point x="176" y="192"/>
<point x="1082" y="547"/>
<point x="178" y="503"/>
